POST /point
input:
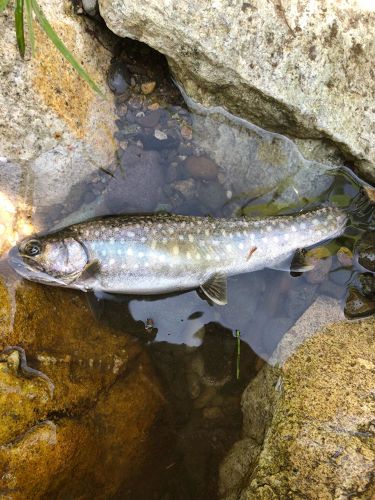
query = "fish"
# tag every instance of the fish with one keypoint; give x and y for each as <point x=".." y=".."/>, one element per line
<point x="163" y="253"/>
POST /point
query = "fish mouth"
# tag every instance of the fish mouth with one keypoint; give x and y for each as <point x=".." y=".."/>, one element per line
<point x="30" y="270"/>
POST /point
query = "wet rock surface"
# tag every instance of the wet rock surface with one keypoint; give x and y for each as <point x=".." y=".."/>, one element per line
<point x="105" y="398"/>
<point x="282" y="68"/>
<point x="309" y="432"/>
<point x="53" y="127"/>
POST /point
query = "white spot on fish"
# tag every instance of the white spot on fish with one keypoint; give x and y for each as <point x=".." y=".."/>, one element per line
<point x="140" y="254"/>
<point x="191" y="238"/>
<point x="217" y="258"/>
<point x="111" y="262"/>
<point x="129" y="251"/>
<point x="175" y="250"/>
<point x="153" y="244"/>
<point x="164" y="240"/>
<point x="188" y="255"/>
<point x="130" y="234"/>
<point x="112" y="241"/>
<point x="119" y="251"/>
<point x="269" y="228"/>
<point x="228" y="247"/>
<point x="97" y="233"/>
<point x="197" y="256"/>
<point x="293" y="228"/>
<point x="207" y="232"/>
<point x="181" y="237"/>
<point x="241" y="246"/>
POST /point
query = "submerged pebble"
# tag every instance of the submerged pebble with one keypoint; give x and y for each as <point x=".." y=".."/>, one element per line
<point x="201" y="167"/>
<point x="365" y="249"/>
<point x="357" y="305"/>
<point x="321" y="259"/>
<point x="367" y="281"/>
<point x="118" y="78"/>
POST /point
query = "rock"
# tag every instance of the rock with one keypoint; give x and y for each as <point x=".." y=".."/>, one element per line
<point x="137" y="188"/>
<point x="148" y="88"/>
<point x="212" y="195"/>
<point x="90" y="7"/>
<point x="321" y="260"/>
<point x="187" y="187"/>
<point x="201" y="167"/>
<point x="83" y="439"/>
<point x="118" y="78"/>
<point x="280" y="67"/>
<point x="310" y="434"/>
<point x="323" y="310"/>
<point x="365" y="249"/>
<point x="345" y="256"/>
<point x="367" y="281"/>
<point x="53" y="128"/>
<point x="358" y="305"/>
<point x="150" y="119"/>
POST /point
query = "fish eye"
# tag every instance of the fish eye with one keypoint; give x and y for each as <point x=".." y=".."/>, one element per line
<point x="32" y="248"/>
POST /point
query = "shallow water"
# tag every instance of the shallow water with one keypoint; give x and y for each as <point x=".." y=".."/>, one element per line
<point x="204" y="355"/>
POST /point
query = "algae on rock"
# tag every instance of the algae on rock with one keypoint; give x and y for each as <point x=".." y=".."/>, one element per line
<point x="320" y="440"/>
<point x="90" y="436"/>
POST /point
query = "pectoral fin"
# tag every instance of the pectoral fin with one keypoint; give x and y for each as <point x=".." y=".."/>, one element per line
<point x="89" y="271"/>
<point x="215" y="289"/>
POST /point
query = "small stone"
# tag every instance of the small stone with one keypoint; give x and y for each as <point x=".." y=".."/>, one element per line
<point x="321" y="259"/>
<point x="345" y="256"/>
<point x="153" y="106"/>
<point x="186" y="132"/>
<point x="357" y="305"/>
<point x="365" y="250"/>
<point x="148" y="87"/>
<point x="212" y="195"/>
<point x="367" y="281"/>
<point x="201" y="167"/>
<point x="366" y="258"/>
<point x="162" y="136"/>
<point x="150" y="120"/>
<point x="186" y="187"/>
<point x="90" y="7"/>
<point x="118" y="78"/>
<point x="212" y="413"/>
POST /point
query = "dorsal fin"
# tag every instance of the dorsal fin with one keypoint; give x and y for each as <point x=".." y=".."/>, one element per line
<point x="215" y="288"/>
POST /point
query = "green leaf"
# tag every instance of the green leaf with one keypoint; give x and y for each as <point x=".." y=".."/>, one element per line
<point x="3" y="4"/>
<point x="30" y="25"/>
<point x="52" y="35"/>
<point x="20" y="35"/>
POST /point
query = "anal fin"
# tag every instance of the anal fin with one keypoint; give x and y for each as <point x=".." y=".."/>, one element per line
<point x="215" y="288"/>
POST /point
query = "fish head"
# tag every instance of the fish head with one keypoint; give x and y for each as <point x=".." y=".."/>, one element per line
<point x="52" y="259"/>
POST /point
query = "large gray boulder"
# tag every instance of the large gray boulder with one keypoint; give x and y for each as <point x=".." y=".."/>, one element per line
<point x="301" y="68"/>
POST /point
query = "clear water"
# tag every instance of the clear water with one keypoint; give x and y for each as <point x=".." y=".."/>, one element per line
<point x="205" y="355"/>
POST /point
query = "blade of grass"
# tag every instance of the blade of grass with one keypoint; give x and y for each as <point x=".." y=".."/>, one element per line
<point x="20" y="35"/>
<point x="3" y="4"/>
<point x="30" y="25"/>
<point x="52" y="35"/>
<point x="238" y="335"/>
